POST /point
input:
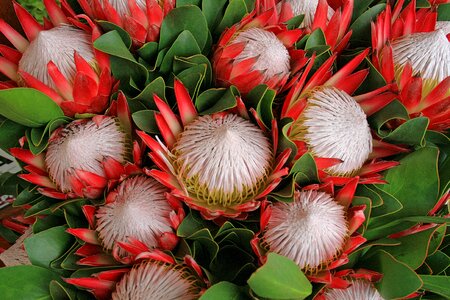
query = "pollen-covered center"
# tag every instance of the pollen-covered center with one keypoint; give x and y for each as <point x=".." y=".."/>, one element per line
<point x="306" y="8"/>
<point x="428" y="53"/>
<point x="83" y="145"/>
<point x="311" y="230"/>
<point x="335" y="126"/>
<point x="139" y="210"/>
<point x="156" y="281"/>
<point x="360" y="289"/>
<point x="58" y="45"/>
<point x="223" y="160"/>
<point x="271" y="56"/>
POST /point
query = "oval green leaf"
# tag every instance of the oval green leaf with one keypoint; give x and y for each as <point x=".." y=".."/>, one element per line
<point x="28" y="107"/>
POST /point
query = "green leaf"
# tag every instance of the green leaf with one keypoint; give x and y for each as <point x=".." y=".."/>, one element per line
<point x="28" y="107"/>
<point x="444" y="12"/>
<point x="108" y="26"/>
<point x="394" y="110"/>
<point x="9" y="133"/>
<point x="280" y="278"/>
<point x="123" y="64"/>
<point x="26" y="282"/>
<point x="216" y="100"/>
<point x="213" y="11"/>
<point x="398" y="279"/>
<point x="415" y="182"/>
<point x="184" y="45"/>
<point x="317" y="38"/>
<point x="362" y="26"/>
<point x="225" y="291"/>
<point x="438" y="262"/>
<point x="145" y="120"/>
<point x="437" y="284"/>
<point x="234" y="12"/>
<point x="307" y="168"/>
<point x="158" y="87"/>
<point x="414" y="248"/>
<point x="183" y="18"/>
<point x="412" y="132"/>
<point x="46" y="246"/>
<point x="61" y="292"/>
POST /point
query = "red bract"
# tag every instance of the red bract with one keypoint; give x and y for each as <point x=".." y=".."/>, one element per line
<point x="141" y="20"/>
<point x="58" y="59"/>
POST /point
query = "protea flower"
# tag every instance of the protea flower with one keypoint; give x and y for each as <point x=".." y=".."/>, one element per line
<point x="58" y="59"/>
<point x="257" y="50"/>
<point x="158" y="278"/>
<point x="220" y="164"/>
<point x="332" y="124"/>
<point x="317" y="230"/>
<point x="288" y="9"/>
<point x="359" y="289"/>
<point x="413" y="52"/>
<point x="142" y="19"/>
<point x="81" y="156"/>
<point x="137" y="217"/>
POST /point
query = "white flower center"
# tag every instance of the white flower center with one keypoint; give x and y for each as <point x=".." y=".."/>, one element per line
<point x="223" y="159"/>
<point x="444" y="26"/>
<point x="335" y="126"/>
<point x="272" y="57"/>
<point x="311" y="230"/>
<point x="306" y="8"/>
<point x="83" y="145"/>
<point x="359" y="290"/>
<point x="155" y="281"/>
<point x="428" y="53"/>
<point x="140" y="210"/>
<point x="58" y="45"/>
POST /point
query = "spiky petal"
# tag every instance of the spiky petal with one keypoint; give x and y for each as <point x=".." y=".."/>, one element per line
<point x="311" y="230"/>
<point x="138" y="209"/>
<point x="161" y="281"/>
<point x="80" y="147"/>
<point x="303" y="7"/>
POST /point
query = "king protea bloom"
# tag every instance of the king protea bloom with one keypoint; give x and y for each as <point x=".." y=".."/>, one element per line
<point x="220" y="164"/>
<point x="412" y="51"/>
<point x="58" y="59"/>
<point x="137" y="217"/>
<point x="359" y="289"/>
<point x="142" y="19"/>
<point x="159" y="278"/>
<point x="257" y="50"/>
<point x="287" y="9"/>
<point x="317" y="230"/>
<point x="332" y="124"/>
<point x="81" y="156"/>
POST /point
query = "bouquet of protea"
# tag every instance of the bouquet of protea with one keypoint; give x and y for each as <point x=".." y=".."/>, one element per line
<point x="227" y="149"/>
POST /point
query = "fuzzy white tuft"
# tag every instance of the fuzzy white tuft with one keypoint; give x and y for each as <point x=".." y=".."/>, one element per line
<point x="306" y="8"/>
<point x="155" y="281"/>
<point x="359" y="290"/>
<point x="311" y="230"/>
<point x="272" y="57"/>
<point x="140" y="210"/>
<point x="336" y="127"/>
<point x="226" y="153"/>
<point x="83" y="145"/>
<point x="428" y="53"/>
<point x="58" y="45"/>
<point x="444" y="26"/>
